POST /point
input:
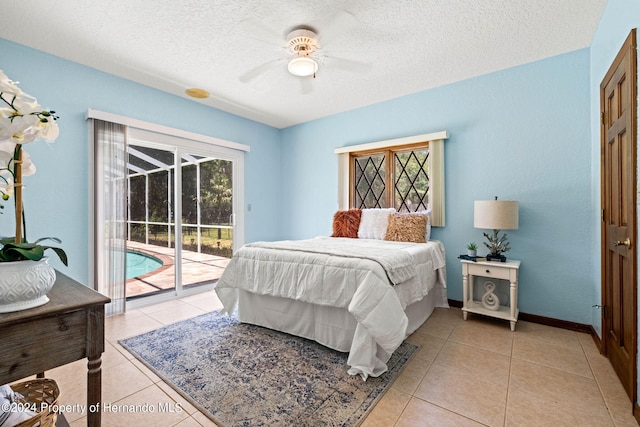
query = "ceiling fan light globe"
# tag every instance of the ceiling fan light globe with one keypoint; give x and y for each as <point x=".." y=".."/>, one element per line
<point x="302" y="67"/>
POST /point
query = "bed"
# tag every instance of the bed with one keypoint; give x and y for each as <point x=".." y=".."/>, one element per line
<point x="357" y="295"/>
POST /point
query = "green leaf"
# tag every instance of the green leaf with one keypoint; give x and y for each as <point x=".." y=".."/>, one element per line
<point x="55" y="239"/>
<point x="61" y="254"/>
<point x="11" y="251"/>
<point x="16" y="253"/>
<point x="11" y="244"/>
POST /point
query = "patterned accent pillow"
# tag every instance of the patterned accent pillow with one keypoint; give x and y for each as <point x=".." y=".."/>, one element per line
<point x="407" y="227"/>
<point x="346" y="223"/>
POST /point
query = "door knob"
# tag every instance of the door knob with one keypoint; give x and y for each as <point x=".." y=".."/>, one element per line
<point x="626" y="243"/>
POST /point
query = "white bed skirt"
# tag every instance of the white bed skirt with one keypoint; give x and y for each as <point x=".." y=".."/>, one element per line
<point x="330" y="326"/>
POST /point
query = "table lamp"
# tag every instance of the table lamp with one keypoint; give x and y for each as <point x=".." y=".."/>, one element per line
<point x="496" y="215"/>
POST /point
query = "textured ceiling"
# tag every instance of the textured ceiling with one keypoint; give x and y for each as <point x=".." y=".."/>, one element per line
<point x="371" y="51"/>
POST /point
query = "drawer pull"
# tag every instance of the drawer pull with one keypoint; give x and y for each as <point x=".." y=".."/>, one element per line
<point x="63" y="327"/>
<point x="487" y="271"/>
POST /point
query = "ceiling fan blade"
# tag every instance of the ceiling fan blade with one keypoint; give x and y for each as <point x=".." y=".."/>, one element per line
<point x="347" y="64"/>
<point x="254" y="73"/>
<point x="306" y="85"/>
<point x="256" y="30"/>
<point x="335" y="26"/>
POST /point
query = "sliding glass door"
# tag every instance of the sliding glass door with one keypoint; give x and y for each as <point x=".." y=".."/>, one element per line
<point x="181" y="214"/>
<point x="207" y="218"/>
<point x="151" y="254"/>
<point x="167" y="209"/>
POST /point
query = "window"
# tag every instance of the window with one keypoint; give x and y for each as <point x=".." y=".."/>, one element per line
<point x="396" y="178"/>
<point x="406" y="174"/>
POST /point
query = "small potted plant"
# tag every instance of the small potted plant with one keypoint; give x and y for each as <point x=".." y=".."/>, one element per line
<point x="472" y="249"/>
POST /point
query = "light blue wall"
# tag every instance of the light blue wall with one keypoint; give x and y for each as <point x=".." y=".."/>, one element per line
<point x="522" y="133"/>
<point x="618" y="19"/>
<point x="56" y="197"/>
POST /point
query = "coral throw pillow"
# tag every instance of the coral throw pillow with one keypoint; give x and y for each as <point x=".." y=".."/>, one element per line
<point x="346" y="223"/>
<point x="407" y="227"/>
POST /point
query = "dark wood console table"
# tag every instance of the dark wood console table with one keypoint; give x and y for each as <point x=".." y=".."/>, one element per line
<point x="69" y="327"/>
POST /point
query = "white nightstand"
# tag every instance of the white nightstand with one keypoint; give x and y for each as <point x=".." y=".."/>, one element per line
<point x="489" y="305"/>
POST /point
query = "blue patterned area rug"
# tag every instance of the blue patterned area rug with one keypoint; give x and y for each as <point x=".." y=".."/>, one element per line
<point x="246" y="375"/>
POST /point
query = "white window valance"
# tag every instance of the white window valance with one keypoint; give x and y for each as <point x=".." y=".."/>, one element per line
<point x="164" y="130"/>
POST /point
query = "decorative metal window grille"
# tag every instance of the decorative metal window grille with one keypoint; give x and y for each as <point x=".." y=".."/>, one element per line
<point x="411" y="181"/>
<point x="408" y="180"/>
<point x="369" y="184"/>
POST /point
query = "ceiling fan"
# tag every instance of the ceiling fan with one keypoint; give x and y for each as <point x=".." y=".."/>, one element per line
<point x="304" y="59"/>
<point x="303" y="44"/>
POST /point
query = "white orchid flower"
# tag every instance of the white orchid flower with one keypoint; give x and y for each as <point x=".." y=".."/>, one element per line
<point x="5" y="127"/>
<point x="19" y="120"/>
<point x="22" y="129"/>
<point x="7" y="86"/>
<point x="6" y="176"/>
<point x="23" y="120"/>
<point x="24" y="106"/>
<point x="7" y="151"/>
<point x="48" y="130"/>
<point x="6" y="186"/>
<point x="28" y="168"/>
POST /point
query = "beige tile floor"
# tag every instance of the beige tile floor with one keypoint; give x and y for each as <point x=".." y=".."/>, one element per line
<point x="467" y="373"/>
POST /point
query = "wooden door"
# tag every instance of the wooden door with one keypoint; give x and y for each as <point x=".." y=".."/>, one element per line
<point x="618" y="93"/>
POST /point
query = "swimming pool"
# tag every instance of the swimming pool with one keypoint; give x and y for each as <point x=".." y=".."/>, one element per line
<point x="139" y="264"/>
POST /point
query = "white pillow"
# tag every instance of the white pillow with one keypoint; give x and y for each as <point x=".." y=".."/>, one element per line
<point x="373" y="223"/>
<point x="427" y="212"/>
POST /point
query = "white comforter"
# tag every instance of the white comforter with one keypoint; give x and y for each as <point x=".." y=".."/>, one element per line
<point x="346" y="273"/>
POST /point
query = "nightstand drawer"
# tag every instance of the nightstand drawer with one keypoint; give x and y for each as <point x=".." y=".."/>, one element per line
<point x="497" y="272"/>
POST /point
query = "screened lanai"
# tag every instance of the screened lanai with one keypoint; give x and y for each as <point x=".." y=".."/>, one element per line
<point x="193" y="207"/>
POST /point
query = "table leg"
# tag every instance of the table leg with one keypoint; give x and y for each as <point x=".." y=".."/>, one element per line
<point x="94" y="391"/>
<point x="465" y="294"/>
<point x="513" y="293"/>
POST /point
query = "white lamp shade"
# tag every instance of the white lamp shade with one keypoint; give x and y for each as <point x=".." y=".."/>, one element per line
<point x="302" y="66"/>
<point x="495" y="214"/>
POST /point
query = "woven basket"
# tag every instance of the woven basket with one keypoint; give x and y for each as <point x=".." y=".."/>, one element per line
<point x="42" y="393"/>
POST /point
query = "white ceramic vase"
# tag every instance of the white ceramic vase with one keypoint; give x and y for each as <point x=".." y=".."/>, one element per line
<point x="24" y="284"/>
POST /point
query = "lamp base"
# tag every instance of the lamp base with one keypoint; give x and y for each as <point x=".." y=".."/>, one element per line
<point x="493" y="257"/>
